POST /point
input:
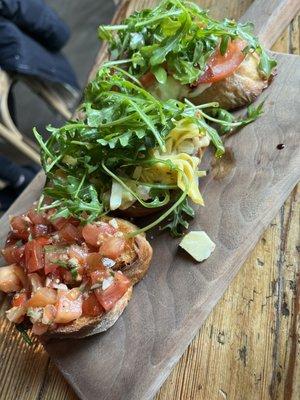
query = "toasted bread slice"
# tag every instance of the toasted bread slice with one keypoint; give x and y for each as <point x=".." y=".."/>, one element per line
<point x="237" y="90"/>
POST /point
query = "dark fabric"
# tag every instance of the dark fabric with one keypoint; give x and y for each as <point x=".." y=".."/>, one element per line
<point x="38" y="20"/>
<point x="20" y="53"/>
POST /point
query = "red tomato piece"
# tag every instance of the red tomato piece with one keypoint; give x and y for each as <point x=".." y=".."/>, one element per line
<point x="108" y="297"/>
<point x="91" y="306"/>
<point x="14" y="254"/>
<point x="21" y="227"/>
<point x="34" y="256"/>
<point x="40" y="230"/>
<point x="52" y="255"/>
<point x="69" y="307"/>
<point x="78" y="252"/>
<point x="42" y="297"/>
<point x="37" y="218"/>
<point x="19" y="299"/>
<point x="221" y="66"/>
<point x="70" y="234"/>
<point x="95" y="234"/>
<point x="94" y="262"/>
<point x="98" y="276"/>
<point x="112" y="247"/>
<point x="59" y="223"/>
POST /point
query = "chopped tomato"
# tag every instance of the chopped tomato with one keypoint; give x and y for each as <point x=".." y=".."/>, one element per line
<point x="148" y="79"/>
<point x="59" y="223"/>
<point x="19" y="299"/>
<point x="54" y="255"/>
<point x="95" y="234"/>
<point x="42" y="297"/>
<point x="78" y="252"/>
<point x="35" y="281"/>
<point x="20" y="227"/>
<point x="43" y="240"/>
<point x="39" y="329"/>
<point x="16" y="314"/>
<point x="13" y="254"/>
<point x="108" y="297"/>
<point x="49" y="314"/>
<point x="221" y="66"/>
<point x="40" y="230"/>
<point x="94" y="262"/>
<point x="97" y="276"/>
<point x="34" y="256"/>
<point x="67" y="309"/>
<point x="91" y="306"/>
<point x="112" y="247"/>
<point x="12" y="278"/>
<point x="37" y="218"/>
<point x="70" y="234"/>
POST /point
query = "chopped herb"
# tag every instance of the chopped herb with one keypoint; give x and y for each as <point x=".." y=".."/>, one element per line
<point x="23" y="331"/>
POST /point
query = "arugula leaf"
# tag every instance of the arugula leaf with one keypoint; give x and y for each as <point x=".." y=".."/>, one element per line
<point x="179" y="218"/>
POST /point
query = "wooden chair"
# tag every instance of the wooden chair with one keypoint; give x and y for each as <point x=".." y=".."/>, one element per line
<point x="60" y="98"/>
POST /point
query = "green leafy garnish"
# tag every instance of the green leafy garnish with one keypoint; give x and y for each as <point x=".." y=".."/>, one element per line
<point x="123" y="129"/>
<point x="179" y="36"/>
<point x="179" y="216"/>
<point x="23" y="331"/>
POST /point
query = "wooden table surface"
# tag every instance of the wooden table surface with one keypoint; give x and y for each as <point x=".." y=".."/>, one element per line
<point x="249" y="347"/>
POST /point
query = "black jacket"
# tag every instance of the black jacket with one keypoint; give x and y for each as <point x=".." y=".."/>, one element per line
<point x="31" y="37"/>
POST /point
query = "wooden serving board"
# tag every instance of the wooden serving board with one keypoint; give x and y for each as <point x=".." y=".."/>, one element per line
<point x="243" y="192"/>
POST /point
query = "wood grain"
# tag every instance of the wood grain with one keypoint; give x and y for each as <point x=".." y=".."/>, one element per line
<point x="191" y="378"/>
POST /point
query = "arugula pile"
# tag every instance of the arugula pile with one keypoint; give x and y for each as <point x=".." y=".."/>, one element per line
<point x="177" y="35"/>
<point x="121" y="124"/>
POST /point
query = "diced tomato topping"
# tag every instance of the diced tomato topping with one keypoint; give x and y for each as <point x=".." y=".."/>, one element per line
<point x="42" y="297"/>
<point x="12" y="278"/>
<point x="34" y="256"/>
<point x="70" y="234"/>
<point x="221" y="66"/>
<point x="54" y="254"/>
<point x="68" y="309"/>
<point x="35" y="281"/>
<point x="49" y="314"/>
<point x="148" y="79"/>
<point x="40" y="230"/>
<point x="98" y="276"/>
<point x="39" y="329"/>
<point x="95" y="234"/>
<point x="37" y="218"/>
<point x="108" y="297"/>
<point x="43" y="240"/>
<point x="94" y="262"/>
<point x="112" y="247"/>
<point x="21" y="227"/>
<point x="78" y="252"/>
<point x="91" y="306"/>
<point x="59" y="223"/>
<point x="13" y="254"/>
<point x="19" y="299"/>
<point x="11" y="239"/>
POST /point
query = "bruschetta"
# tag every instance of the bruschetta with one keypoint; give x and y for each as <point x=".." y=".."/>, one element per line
<point x="66" y="279"/>
<point x="178" y="51"/>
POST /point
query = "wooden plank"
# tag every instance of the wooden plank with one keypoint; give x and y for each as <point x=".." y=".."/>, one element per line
<point x="171" y="303"/>
<point x="47" y="390"/>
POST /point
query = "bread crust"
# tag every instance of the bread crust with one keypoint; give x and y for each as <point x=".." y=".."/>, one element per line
<point x="132" y="264"/>
<point x="239" y="89"/>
